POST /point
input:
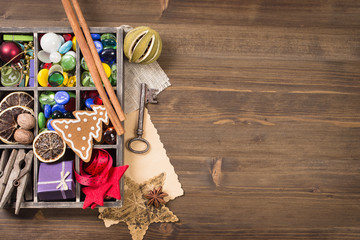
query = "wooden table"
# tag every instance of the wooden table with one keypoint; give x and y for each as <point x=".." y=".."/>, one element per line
<point x="271" y="87"/>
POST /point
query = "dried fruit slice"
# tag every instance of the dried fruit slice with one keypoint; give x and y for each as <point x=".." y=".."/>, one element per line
<point x="8" y="123"/>
<point x="17" y="99"/>
<point x="48" y="146"/>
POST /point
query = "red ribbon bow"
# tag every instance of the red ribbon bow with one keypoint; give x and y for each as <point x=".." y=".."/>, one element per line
<point x="100" y="177"/>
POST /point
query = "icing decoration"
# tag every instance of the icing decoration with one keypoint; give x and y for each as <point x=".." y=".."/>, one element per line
<point x="79" y="133"/>
<point x="100" y="178"/>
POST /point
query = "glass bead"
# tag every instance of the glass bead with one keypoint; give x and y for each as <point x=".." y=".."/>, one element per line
<point x="56" y="79"/>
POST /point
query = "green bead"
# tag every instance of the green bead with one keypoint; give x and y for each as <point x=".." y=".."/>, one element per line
<point x="112" y="81"/>
<point x="87" y="80"/>
<point x="72" y="94"/>
<point x="114" y="71"/>
<point x="10" y="76"/>
<point x="47" y="98"/>
<point x="56" y="79"/>
<point x="108" y="36"/>
<point x="41" y="120"/>
<point x="83" y="64"/>
<point x="68" y="62"/>
<point x="43" y="130"/>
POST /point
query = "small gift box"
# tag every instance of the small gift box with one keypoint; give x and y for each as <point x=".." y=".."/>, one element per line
<point x="55" y="181"/>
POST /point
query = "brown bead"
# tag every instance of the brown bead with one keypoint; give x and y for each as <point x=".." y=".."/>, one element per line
<point x="110" y="135"/>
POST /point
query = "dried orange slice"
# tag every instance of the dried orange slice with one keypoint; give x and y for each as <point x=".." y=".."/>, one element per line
<point x="17" y="99"/>
<point x="48" y="146"/>
<point x="8" y="123"/>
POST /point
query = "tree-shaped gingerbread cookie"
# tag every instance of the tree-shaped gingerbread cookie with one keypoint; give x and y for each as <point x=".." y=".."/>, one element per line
<point x="79" y="133"/>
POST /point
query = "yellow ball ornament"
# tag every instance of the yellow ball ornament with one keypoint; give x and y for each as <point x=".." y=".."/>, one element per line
<point x="142" y="45"/>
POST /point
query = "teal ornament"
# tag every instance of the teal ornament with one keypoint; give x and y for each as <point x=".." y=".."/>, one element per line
<point x="68" y="62"/>
<point x="47" y="98"/>
<point x="56" y="79"/>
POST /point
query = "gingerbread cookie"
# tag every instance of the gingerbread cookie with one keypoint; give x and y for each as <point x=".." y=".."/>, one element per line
<point x="79" y="133"/>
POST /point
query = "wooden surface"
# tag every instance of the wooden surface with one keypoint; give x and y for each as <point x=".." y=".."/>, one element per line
<point x="271" y="87"/>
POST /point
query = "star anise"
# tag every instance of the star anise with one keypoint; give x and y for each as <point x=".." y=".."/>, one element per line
<point x="156" y="197"/>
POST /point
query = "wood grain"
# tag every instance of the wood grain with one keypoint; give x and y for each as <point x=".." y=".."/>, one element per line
<point x="270" y="87"/>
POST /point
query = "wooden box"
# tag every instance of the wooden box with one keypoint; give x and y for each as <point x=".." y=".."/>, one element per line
<point x="115" y="150"/>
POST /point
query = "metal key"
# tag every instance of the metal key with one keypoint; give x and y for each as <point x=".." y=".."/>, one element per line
<point x="146" y="96"/>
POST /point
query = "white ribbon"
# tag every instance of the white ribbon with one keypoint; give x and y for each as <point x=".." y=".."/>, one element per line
<point x="62" y="180"/>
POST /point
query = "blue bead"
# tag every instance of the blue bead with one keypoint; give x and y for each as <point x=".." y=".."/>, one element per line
<point x="47" y="111"/>
<point x="48" y="125"/>
<point x="108" y="55"/>
<point x="65" y="47"/>
<point x="99" y="46"/>
<point x="59" y="107"/>
<point x="62" y="97"/>
<point x="95" y="36"/>
<point x="89" y="102"/>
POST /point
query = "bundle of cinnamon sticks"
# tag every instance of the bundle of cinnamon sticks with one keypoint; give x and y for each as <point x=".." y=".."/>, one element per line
<point x="93" y="62"/>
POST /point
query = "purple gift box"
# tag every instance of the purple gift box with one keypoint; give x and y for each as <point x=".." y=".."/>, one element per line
<point x="56" y="181"/>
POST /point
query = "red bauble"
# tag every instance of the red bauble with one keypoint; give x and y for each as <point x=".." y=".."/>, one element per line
<point x="8" y="50"/>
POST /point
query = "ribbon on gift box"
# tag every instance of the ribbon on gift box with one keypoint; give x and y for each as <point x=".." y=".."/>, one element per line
<point x="100" y="178"/>
<point x="62" y="182"/>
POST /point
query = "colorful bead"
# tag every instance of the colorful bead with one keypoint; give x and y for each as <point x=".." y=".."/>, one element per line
<point x="48" y="125"/>
<point x="98" y="101"/>
<point x="71" y="82"/>
<point x="110" y="135"/>
<point x="87" y="80"/>
<point x="41" y="120"/>
<point x="70" y="106"/>
<point x="89" y="102"/>
<point x="108" y="43"/>
<point x="56" y="79"/>
<point x="69" y="115"/>
<point x="57" y="114"/>
<point x="47" y="98"/>
<point x="108" y="36"/>
<point x="99" y="46"/>
<point x="107" y="69"/>
<point x="67" y="37"/>
<point x="62" y="97"/>
<point x="95" y="36"/>
<point x="47" y="111"/>
<point x="58" y="107"/>
<point x="10" y="76"/>
<point x="74" y="43"/>
<point x="65" y="47"/>
<point x="83" y="64"/>
<point x="68" y="62"/>
<point x="108" y="55"/>
<point x="55" y="57"/>
<point x="56" y="68"/>
<point x="42" y="77"/>
<point x="44" y="56"/>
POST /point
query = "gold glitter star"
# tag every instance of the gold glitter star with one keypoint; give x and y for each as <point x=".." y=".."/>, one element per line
<point x="135" y="212"/>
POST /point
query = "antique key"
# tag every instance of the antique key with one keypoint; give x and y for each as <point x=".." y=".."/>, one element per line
<point x="146" y="96"/>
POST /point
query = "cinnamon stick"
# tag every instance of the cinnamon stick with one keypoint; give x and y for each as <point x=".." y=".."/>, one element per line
<point x="105" y="80"/>
<point x="92" y="66"/>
